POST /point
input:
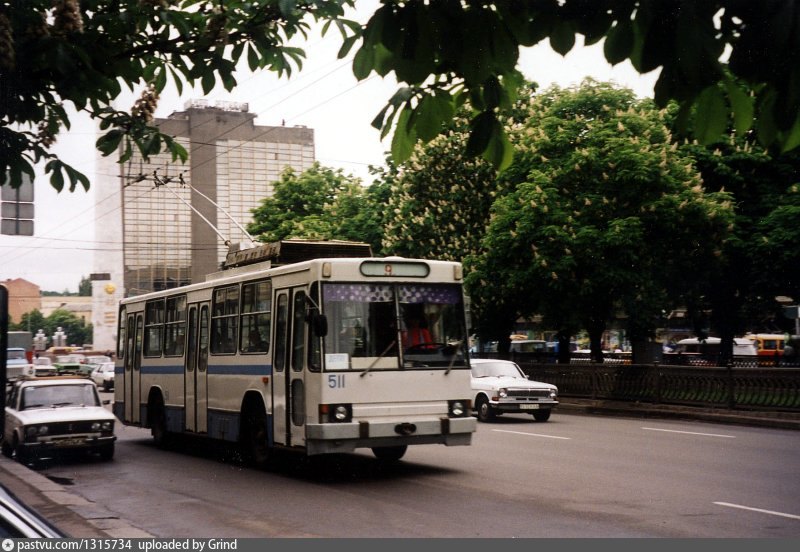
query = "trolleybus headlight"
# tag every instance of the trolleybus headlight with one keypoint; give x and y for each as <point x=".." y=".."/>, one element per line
<point x="337" y="413"/>
<point x="457" y="409"/>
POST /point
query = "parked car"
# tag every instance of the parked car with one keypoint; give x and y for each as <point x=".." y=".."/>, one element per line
<point x="17" y="364"/>
<point x="97" y="359"/>
<point x="501" y="386"/>
<point x="48" y="415"/>
<point x="43" y="366"/>
<point x="18" y="520"/>
<point x="103" y="375"/>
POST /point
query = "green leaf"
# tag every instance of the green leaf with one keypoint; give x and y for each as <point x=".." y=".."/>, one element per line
<point x="363" y="62"/>
<point x="347" y="45"/>
<point x="792" y="138"/>
<point x="741" y="105"/>
<point x="177" y="80"/>
<point x="109" y="143"/>
<point x="403" y="141"/>
<point x="208" y="81"/>
<point x="377" y="122"/>
<point x="711" y="116"/>
<point x="619" y="42"/>
<point x="482" y="127"/>
<point x="562" y="37"/>
<point x="499" y="151"/>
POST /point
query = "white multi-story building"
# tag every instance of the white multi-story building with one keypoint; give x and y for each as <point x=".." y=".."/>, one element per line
<point x="173" y="219"/>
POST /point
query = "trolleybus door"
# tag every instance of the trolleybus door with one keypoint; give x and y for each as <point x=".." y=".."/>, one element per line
<point x="196" y="369"/>
<point x="289" y="368"/>
<point x="133" y="364"/>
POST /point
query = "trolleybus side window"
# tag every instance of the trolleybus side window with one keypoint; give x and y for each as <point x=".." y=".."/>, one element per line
<point x="315" y="345"/>
<point x="202" y="360"/>
<point x="256" y="317"/>
<point x="175" y="326"/>
<point x="298" y="331"/>
<point x="122" y="321"/>
<point x="153" y="327"/>
<point x="224" y="320"/>
<point x="279" y="358"/>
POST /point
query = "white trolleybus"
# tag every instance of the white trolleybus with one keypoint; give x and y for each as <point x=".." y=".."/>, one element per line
<point x="324" y="355"/>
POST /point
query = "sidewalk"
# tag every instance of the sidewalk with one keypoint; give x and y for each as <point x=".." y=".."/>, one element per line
<point x="78" y="517"/>
<point x="71" y="513"/>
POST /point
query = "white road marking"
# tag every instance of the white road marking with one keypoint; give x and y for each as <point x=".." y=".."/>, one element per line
<point x="690" y="432"/>
<point x="532" y="434"/>
<point x="729" y="505"/>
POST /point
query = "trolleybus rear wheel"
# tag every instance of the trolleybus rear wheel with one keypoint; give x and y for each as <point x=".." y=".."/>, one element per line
<point x="254" y="440"/>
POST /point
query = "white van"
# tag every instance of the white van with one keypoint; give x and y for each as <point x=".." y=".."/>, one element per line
<point x="710" y="346"/>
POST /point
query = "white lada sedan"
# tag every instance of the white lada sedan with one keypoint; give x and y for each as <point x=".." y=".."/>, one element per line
<point x="48" y="415"/>
<point x="501" y="386"/>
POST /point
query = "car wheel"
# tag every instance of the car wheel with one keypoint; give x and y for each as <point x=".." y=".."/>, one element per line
<point x="20" y="454"/>
<point x="485" y="411"/>
<point x="391" y="454"/>
<point x="7" y="450"/>
<point x="541" y="415"/>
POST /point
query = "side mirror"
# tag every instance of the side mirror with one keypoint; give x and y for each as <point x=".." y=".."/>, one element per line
<point x="319" y="324"/>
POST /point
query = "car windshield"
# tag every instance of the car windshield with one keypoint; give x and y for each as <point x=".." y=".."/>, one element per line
<point x="15" y="354"/>
<point x="46" y="396"/>
<point x="497" y="369"/>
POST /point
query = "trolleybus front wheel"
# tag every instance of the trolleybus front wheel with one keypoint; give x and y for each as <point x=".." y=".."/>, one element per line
<point x="389" y="453"/>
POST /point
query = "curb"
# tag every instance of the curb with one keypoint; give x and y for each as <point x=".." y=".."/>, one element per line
<point x="71" y="513"/>
<point x="776" y="420"/>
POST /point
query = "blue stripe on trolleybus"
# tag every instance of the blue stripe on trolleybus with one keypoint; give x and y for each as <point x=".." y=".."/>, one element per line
<point x="215" y="369"/>
<point x="240" y="369"/>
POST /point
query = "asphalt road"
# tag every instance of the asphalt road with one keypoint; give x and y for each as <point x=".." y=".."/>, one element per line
<point x="575" y="476"/>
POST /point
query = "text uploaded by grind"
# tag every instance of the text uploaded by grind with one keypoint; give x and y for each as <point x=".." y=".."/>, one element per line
<point x="140" y="545"/>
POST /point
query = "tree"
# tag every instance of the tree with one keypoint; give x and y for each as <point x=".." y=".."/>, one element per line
<point x="760" y="259"/>
<point x="449" y="52"/>
<point x="85" y="287"/>
<point x="78" y="332"/>
<point x="55" y="53"/>
<point x="319" y="203"/>
<point x="440" y="199"/>
<point x="452" y="52"/>
<point x="608" y="216"/>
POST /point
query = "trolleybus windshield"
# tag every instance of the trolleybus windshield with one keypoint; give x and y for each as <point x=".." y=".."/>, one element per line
<point x="392" y="326"/>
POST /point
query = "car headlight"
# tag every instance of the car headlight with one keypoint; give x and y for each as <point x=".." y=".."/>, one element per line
<point x="502" y="392"/>
<point x="553" y="393"/>
<point x="35" y="431"/>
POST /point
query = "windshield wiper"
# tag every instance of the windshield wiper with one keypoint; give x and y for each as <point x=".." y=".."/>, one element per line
<point x="455" y="347"/>
<point x="374" y="362"/>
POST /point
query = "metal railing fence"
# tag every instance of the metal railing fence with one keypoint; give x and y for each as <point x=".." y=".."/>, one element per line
<point x="735" y="387"/>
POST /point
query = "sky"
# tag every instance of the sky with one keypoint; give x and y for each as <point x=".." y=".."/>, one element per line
<point x="323" y="96"/>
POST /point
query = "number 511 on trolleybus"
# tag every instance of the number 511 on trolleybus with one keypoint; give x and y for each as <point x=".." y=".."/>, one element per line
<point x="318" y="356"/>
